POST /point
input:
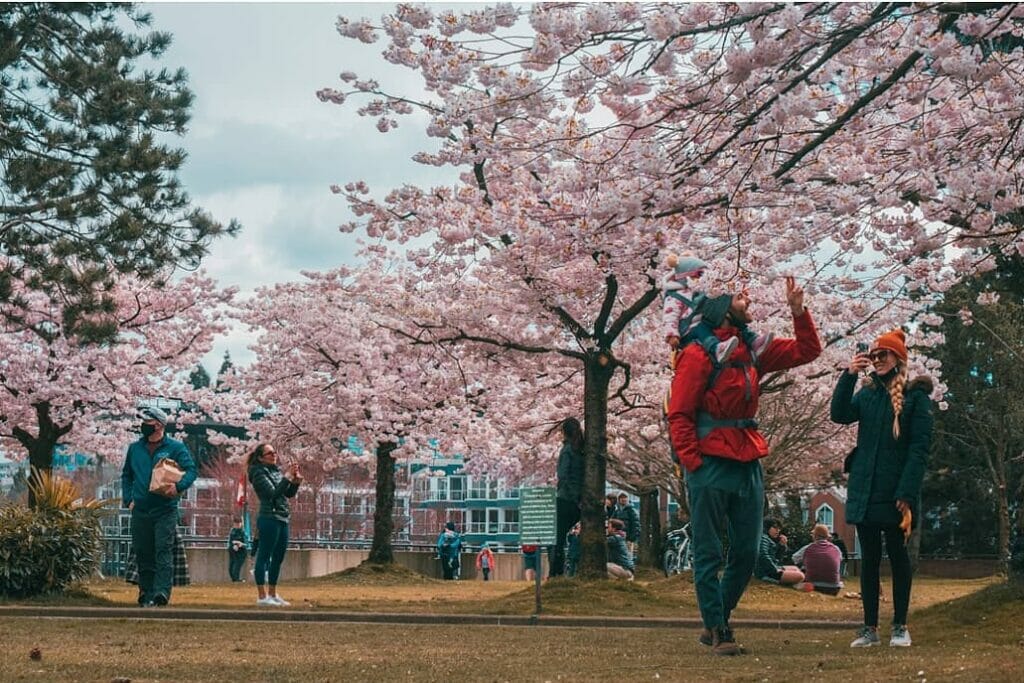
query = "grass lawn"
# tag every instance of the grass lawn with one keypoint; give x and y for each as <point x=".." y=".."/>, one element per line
<point x="652" y="595"/>
<point x="963" y="630"/>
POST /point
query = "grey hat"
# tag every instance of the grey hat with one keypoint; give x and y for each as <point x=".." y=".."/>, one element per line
<point x="153" y="413"/>
<point x="714" y="310"/>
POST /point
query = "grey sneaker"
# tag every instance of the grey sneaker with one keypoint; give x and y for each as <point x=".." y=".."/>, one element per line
<point x="900" y="636"/>
<point x="725" y="349"/>
<point x="866" y="637"/>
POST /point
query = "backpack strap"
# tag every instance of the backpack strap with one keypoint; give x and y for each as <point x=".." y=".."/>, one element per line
<point x="706" y="423"/>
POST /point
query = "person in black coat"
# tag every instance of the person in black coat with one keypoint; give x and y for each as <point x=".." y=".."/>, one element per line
<point x="839" y="543"/>
<point x="273" y="489"/>
<point x="236" y="550"/>
<point x="569" y="490"/>
<point x="894" y="432"/>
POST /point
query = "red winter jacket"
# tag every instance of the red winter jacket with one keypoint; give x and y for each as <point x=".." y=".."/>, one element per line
<point x="733" y="396"/>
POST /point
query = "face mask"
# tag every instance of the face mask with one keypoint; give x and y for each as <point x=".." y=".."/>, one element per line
<point x="147" y="430"/>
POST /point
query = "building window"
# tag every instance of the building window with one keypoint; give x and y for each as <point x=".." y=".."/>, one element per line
<point x="477" y="522"/>
<point x="824" y="515"/>
<point x="457" y="488"/>
<point x="493" y="516"/>
<point x="510" y="525"/>
<point x="478" y="487"/>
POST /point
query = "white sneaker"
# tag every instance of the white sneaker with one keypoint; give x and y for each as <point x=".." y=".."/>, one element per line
<point x="266" y="602"/>
<point x="900" y="636"/>
<point x="866" y="637"/>
<point x="280" y="602"/>
<point x="725" y="349"/>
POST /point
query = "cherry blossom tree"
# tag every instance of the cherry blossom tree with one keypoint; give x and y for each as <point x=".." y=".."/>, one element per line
<point x="868" y="149"/>
<point x="334" y="385"/>
<point x="59" y="387"/>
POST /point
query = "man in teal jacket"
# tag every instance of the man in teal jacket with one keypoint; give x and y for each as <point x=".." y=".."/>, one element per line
<point x="154" y="515"/>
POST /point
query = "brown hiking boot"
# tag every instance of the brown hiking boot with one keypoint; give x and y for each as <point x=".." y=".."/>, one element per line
<point x="723" y="643"/>
<point x="707" y="637"/>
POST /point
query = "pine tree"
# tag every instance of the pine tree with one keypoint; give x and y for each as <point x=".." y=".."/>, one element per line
<point x="88" y="187"/>
<point x="976" y="476"/>
<point x="199" y="377"/>
<point x="227" y="368"/>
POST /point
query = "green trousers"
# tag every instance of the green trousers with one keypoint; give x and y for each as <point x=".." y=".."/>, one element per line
<point x="726" y="496"/>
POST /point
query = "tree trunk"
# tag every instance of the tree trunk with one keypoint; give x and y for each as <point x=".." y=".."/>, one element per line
<point x="598" y="368"/>
<point x="383" y="513"/>
<point x="650" y="529"/>
<point x="1003" y="508"/>
<point x="40" y="448"/>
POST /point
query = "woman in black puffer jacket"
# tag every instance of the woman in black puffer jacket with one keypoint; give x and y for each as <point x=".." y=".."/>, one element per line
<point x="273" y="489"/>
<point x="894" y="433"/>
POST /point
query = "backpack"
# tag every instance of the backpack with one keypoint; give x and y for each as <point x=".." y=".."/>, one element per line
<point x="685" y="322"/>
<point x="705" y="422"/>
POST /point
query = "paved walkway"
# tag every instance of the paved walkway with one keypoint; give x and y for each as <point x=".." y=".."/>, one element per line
<point x="328" y="616"/>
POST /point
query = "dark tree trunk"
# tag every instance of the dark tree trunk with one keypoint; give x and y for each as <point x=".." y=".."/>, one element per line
<point x="40" y="448"/>
<point x="598" y="368"/>
<point x="650" y="529"/>
<point x="383" y="513"/>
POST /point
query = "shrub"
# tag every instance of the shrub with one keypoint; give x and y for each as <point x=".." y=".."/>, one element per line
<point x="45" y="549"/>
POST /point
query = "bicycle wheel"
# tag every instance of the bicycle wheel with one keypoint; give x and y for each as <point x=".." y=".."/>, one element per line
<point x="686" y="553"/>
<point x="670" y="562"/>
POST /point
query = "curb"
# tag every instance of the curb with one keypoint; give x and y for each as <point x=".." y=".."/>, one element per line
<point x="312" y="616"/>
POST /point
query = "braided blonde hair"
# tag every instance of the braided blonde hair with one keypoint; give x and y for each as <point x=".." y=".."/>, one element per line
<point x="896" y="395"/>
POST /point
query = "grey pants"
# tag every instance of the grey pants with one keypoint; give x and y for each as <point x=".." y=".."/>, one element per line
<point x="153" y="542"/>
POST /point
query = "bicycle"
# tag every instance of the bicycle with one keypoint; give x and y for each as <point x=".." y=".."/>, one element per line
<point x="678" y="557"/>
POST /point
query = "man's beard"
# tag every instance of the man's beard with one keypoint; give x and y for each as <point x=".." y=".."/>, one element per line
<point x="739" y="319"/>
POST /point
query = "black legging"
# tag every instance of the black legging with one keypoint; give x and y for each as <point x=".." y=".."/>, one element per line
<point x="871" y="559"/>
<point x="273" y="545"/>
<point x="567" y="513"/>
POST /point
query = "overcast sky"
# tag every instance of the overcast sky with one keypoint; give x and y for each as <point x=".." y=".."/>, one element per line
<point x="263" y="149"/>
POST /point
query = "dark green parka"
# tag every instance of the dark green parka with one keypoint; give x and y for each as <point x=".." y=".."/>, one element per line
<point x="884" y="469"/>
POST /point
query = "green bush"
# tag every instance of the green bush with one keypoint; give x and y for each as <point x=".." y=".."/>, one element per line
<point x="43" y="551"/>
<point x="46" y="548"/>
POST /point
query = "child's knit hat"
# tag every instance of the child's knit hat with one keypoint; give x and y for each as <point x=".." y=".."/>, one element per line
<point x="685" y="264"/>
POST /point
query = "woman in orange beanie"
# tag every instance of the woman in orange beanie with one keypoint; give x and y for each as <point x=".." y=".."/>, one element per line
<point x="894" y="431"/>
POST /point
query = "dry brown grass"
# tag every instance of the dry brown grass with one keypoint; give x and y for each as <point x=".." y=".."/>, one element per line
<point x="370" y="591"/>
<point x="950" y="645"/>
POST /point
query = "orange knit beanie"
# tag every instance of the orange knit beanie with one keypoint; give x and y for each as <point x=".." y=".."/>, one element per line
<point x="894" y="341"/>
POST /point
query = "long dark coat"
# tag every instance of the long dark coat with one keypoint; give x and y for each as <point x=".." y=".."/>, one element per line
<point x="884" y="469"/>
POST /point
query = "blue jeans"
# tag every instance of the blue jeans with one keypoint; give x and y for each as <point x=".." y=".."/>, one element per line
<point x="273" y="544"/>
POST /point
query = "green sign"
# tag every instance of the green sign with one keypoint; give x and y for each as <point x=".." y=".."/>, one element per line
<point x="537" y="515"/>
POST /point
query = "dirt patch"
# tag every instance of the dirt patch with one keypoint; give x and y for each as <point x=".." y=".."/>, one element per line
<point x="367" y="574"/>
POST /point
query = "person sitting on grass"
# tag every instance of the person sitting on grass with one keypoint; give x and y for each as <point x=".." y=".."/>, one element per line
<point x="820" y="560"/>
<point x="773" y="546"/>
<point x="620" y="562"/>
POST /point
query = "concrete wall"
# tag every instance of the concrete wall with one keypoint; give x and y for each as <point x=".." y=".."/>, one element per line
<point x="210" y="565"/>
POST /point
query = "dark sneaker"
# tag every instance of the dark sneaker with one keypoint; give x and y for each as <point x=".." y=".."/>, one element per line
<point x="866" y="637"/>
<point x="707" y="637"/>
<point x="160" y="600"/>
<point x="723" y="643"/>
<point x="142" y="600"/>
